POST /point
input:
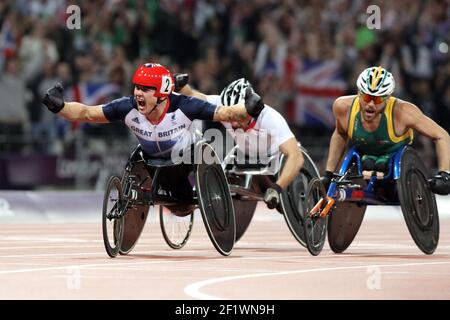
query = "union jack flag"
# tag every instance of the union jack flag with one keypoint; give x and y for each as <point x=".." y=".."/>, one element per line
<point x="319" y="84"/>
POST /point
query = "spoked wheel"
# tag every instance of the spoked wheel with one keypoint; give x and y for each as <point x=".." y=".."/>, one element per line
<point x="418" y="203"/>
<point x="315" y="226"/>
<point x="175" y="229"/>
<point x="112" y="218"/>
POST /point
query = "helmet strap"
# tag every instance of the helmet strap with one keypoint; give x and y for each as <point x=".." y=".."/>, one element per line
<point x="158" y="102"/>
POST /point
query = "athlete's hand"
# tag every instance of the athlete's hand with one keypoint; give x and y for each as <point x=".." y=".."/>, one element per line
<point x="253" y="103"/>
<point x="272" y="196"/>
<point x="181" y="79"/>
<point x="54" y="98"/>
<point x="326" y="179"/>
<point x="440" y="183"/>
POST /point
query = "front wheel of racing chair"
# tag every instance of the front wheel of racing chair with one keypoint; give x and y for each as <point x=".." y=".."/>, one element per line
<point x="315" y="224"/>
<point x="112" y="217"/>
<point x="176" y="229"/>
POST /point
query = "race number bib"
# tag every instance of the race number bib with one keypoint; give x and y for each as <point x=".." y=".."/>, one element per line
<point x="166" y="85"/>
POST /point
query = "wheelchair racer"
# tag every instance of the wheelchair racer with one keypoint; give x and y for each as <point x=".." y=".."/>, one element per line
<point x="159" y="117"/>
<point x="270" y="125"/>
<point x="378" y="124"/>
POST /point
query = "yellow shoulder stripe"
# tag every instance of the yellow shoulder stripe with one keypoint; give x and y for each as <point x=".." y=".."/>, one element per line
<point x="389" y="113"/>
<point x="351" y="119"/>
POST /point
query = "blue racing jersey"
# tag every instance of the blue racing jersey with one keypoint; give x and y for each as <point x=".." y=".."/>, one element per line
<point x="173" y="129"/>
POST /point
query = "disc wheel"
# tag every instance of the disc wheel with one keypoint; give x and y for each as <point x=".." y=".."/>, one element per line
<point x="294" y="197"/>
<point x="417" y="202"/>
<point x="216" y="205"/>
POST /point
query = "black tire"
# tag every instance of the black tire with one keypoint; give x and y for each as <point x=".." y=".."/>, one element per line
<point x="294" y="197"/>
<point x="418" y="202"/>
<point x="175" y="229"/>
<point x="216" y="205"/>
<point x="315" y="226"/>
<point x="112" y="217"/>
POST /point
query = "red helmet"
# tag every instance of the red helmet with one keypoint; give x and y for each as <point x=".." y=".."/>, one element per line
<point x="156" y="76"/>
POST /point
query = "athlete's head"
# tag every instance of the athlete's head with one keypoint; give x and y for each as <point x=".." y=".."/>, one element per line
<point x="375" y="85"/>
<point x="234" y="93"/>
<point x="153" y="83"/>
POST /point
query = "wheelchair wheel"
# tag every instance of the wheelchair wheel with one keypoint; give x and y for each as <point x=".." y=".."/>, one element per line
<point x="294" y="197"/>
<point x="315" y="226"/>
<point x="175" y="229"/>
<point x="244" y="210"/>
<point x="345" y="219"/>
<point x="417" y="201"/>
<point x="136" y="214"/>
<point x="344" y="222"/>
<point x="112" y="217"/>
<point x="215" y="202"/>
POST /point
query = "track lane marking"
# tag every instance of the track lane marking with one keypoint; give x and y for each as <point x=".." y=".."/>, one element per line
<point x="194" y="289"/>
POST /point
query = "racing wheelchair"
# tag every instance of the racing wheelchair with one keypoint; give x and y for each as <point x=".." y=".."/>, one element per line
<point x="178" y="188"/>
<point x="248" y="183"/>
<point x="339" y="211"/>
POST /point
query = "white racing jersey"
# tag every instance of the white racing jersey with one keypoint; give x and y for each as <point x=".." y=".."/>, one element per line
<point x="264" y="137"/>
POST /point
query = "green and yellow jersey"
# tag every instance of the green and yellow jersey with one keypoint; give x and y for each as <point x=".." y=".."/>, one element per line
<point x="383" y="140"/>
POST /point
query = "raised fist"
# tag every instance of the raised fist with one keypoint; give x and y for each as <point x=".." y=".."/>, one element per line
<point x="181" y="79"/>
<point x="54" y="98"/>
<point x="253" y="103"/>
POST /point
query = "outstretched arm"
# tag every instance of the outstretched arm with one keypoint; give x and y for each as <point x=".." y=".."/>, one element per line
<point x="73" y="111"/>
<point x="415" y="119"/>
<point x="226" y="114"/>
<point x="252" y="107"/>
<point x="187" y="90"/>
<point x="233" y="113"/>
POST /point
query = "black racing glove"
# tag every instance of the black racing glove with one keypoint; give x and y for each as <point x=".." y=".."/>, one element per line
<point x="326" y="179"/>
<point x="440" y="183"/>
<point x="272" y="196"/>
<point x="181" y="79"/>
<point x="54" y="98"/>
<point x="253" y="103"/>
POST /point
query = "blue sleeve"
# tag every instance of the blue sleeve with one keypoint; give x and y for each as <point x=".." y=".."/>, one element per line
<point x="198" y="109"/>
<point x="117" y="110"/>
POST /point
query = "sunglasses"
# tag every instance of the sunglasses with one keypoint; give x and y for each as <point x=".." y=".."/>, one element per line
<point x="376" y="99"/>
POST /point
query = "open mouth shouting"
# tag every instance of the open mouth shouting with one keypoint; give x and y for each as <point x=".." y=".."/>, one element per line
<point x="140" y="103"/>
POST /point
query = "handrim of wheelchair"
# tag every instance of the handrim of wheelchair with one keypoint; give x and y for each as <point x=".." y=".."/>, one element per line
<point x="227" y="194"/>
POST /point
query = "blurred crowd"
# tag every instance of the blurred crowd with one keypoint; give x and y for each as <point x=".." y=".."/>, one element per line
<point x="282" y="46"/>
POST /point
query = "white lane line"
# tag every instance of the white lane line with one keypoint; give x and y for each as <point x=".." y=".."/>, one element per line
<point x="194" y="289"/>
<point x="49" y="247"/>
<point x="136" y="263"/>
